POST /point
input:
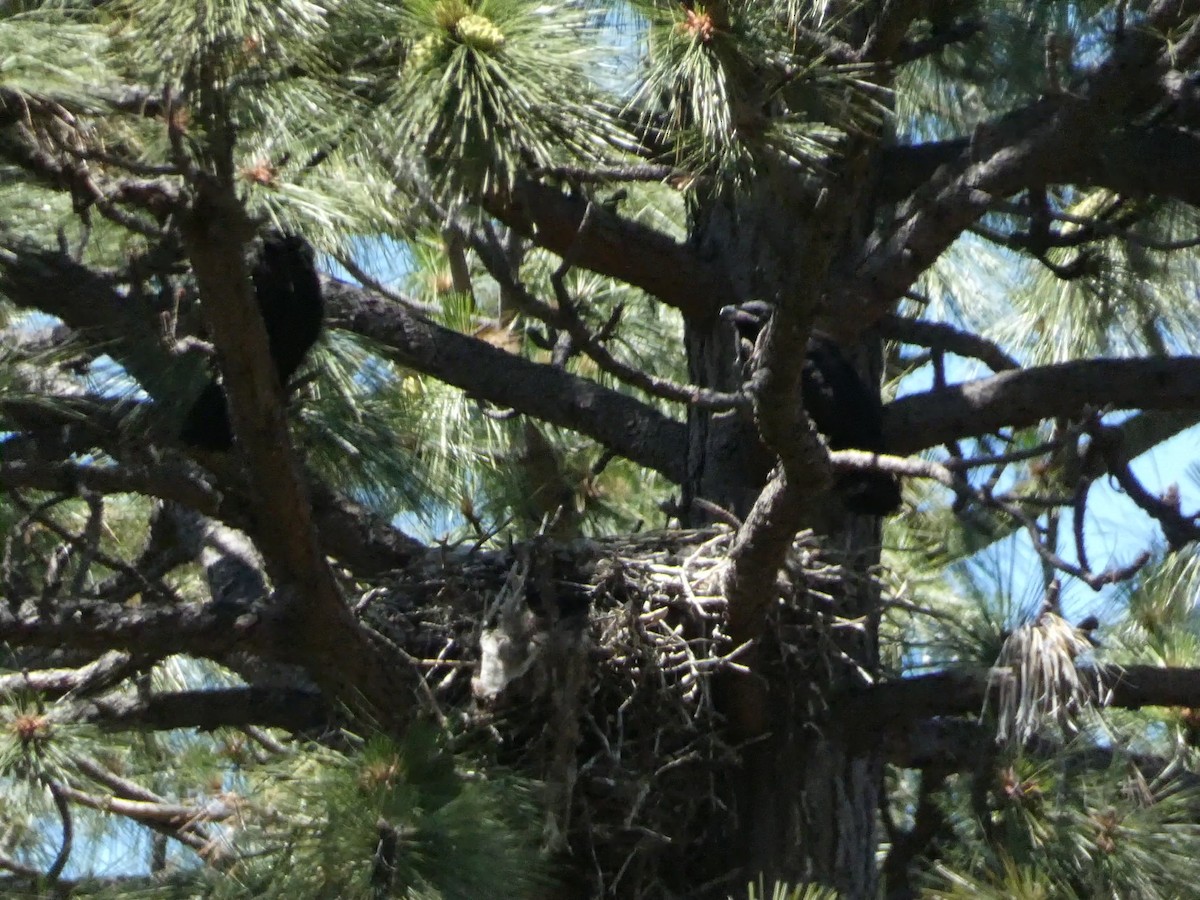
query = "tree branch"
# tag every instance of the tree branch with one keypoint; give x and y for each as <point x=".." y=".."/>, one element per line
<point x="1024" y="398"/>
<point x="896" y="705"/>
<point x="166" y="482"/>
<point x="148" y="632"/>
<point x="937" y="214"/>
<point x="1136" y="160"/>
<point x="293" y="709"/>
<point x="352" y="534"/>
<point x="618" y="421"/>
<point x="1055" y="133"/>
<point x="634" y="253"/>
<point x="1177" y="528"/>
<point x="172" y="815"/>
<point x="90" y="301"/>
<point x="105" y="671"/>
<point x="790" y="500"/>
<point x="565" y="317"/>
<point x="947" y="338"/>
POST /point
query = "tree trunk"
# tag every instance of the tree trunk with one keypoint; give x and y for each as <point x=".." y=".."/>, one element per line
<point x="806" y="795"/>
<point x="727" y="464"/>
<point x="804" y="799"/>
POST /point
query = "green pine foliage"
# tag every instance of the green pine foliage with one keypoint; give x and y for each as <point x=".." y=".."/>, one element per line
<point x="380" y="819"/>
<point x="703" y="84"/>
<point x="402" y="820"/>
<point x="476" y="97"/>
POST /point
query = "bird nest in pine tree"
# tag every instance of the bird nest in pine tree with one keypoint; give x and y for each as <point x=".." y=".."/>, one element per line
<point x="590" y="666"/>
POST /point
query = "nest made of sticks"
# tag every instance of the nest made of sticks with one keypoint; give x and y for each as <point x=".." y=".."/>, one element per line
<point x="591" y="666"/>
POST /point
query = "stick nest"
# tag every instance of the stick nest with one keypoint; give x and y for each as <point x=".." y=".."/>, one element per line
<point x="591" y="666"/>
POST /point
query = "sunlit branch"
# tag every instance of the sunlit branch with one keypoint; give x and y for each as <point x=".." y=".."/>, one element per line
<point x="948" y="339"/>
<point x="170" y="817"/>
<point x="1020" y="399"/>
<point x="103" y="673"/>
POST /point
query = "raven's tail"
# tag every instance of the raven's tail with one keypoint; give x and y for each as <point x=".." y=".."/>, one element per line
<point x="207" y="424"/>
<point x="869" y="493"/>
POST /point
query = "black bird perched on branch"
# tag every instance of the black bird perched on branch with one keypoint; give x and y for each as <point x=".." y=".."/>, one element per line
<point x="849" y="414"/>
<point x="288" y="292"/>
<point x="840" y="404"/>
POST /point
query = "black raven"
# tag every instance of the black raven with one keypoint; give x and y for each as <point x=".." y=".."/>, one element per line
<point x="840" y="404"/>
<point x="288" y="292"/>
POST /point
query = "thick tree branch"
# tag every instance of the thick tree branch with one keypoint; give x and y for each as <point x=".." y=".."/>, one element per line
<point x="90" y="302"/>
<point x="907" y="167"/>
<point x="1149" y="160"/>
<point x="216" y="231"/>
<point x="1024" y="398"/>
<point x="790" y="500"/>
<point x="358" y="538"/>
<point x="1136" y="161"/>
<point x="620" y="248"/>
<point x="935" y="216"/>
<point x="963" y="744"/>
<point x="618" y="421"/>
<point x="165" y="482"/>
<point x="103" y="673"/>
<point x="294" y="709"/>
<point x="148" y="632"/>
<point x="1058" y="130"/>
<point x="896" y="705"/>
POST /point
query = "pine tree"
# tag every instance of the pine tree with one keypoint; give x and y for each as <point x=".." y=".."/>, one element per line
<point x="564" y="563"/>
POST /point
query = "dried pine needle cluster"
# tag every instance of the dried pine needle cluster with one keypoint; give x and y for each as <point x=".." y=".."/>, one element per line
<point x="1037" y="681"/>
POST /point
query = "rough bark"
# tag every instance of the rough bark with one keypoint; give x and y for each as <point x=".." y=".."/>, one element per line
<point x="1022" y="398"/>
<point x="726" y="461"/>
<point x="804" y="800"/>
<point x="627" y="250"/>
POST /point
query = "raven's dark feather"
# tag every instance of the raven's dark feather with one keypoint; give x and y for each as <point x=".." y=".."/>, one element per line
<point x="288" y="292"/>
